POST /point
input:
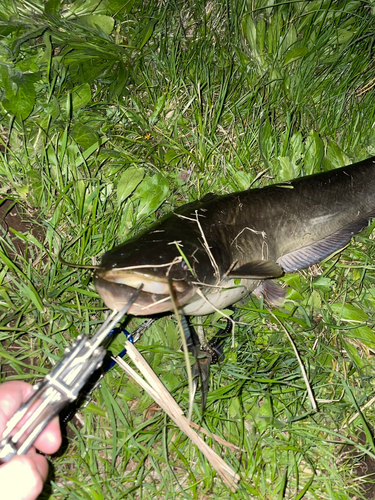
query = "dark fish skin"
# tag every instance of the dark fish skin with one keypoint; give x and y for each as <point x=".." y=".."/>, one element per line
<point x="253" y="235"/>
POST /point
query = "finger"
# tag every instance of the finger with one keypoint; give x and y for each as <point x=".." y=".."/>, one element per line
<point x="40" y="463"/>
<point x="22" y="478"/>
<point x="50" y="439"/>
<point x="12" y="395"/>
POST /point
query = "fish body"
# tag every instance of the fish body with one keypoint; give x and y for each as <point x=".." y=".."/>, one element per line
<point x="214" y="251"/>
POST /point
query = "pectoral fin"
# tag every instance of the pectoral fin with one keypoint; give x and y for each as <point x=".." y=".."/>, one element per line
<point x="258" y="269"/>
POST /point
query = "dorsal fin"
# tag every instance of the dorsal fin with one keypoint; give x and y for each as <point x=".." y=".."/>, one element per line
<point x="209" y="197"/>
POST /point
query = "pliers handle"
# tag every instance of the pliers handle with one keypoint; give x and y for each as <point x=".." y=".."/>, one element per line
<point x="60" y="387"/>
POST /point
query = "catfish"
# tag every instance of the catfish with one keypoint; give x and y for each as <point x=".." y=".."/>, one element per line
<point x="211" y="253"/>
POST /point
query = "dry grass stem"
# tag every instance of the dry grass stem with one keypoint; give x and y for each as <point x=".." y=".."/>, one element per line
<point x="154" y="387"/>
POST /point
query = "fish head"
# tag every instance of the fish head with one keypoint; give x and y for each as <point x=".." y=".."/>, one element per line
<point x="158" y="266"/>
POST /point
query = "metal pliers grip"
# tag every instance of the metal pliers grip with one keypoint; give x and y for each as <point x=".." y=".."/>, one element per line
<point x="60" y="387"/>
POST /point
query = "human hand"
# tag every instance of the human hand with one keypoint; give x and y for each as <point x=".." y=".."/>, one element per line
<point x="23" y="476"/>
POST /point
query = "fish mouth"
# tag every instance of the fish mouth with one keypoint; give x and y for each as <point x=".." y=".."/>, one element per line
<point x="115" y="287"/>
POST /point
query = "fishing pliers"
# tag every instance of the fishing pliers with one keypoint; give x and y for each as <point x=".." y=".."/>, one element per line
<point x="60" y="387"/>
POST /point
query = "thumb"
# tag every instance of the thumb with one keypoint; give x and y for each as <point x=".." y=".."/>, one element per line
<point x="22" y="478"/>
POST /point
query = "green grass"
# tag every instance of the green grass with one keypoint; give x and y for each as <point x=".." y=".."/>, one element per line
<point x="113" y="113"/>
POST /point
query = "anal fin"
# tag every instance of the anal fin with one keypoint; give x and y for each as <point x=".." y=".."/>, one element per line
<point x="273" y="293"/>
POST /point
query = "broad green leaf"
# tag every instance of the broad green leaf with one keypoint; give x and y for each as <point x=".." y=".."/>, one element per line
<point x="5" y="80"/>
<point x="147" y="32"/>
<point x="27" y="36"/>
<point x="89" y="151"/>
<point x="90" y="198"/>
<point x="81" y="8"/>
<point x="336" y="156"/>
<point x="242" y="180"/>
<point x="28" y="65"/>
<point x="275" y="75"/>
<point x="234" y="407"/>
<point x="261" y="34"/>
<point x="274" y="32"/>
<point x="52" y="7"/>
<point x="295" y="53"/>
<point x="315" y="300"/>
<point x="152" y="193"/>
<point x="293" y="280"/>
<point x="172" y="157"/>
<point x="79" y="194"/>
<point x="249" y="31"/>
<point x="356" y="274"/>
<point x="116" y="6"/>
<point x="349" y="312"/>
<point x="263" y="416"/>
<point x="158" y="108"/>
<point x="23" y="191"/>
<point x="35" y="186"/>
<point x="48" y="112"/>
<point x="297" y="148"/>
<point x="344" y="35"/>
<point x="20" y="102"/>
<point x="84" y="135"/>
<point x="353" y="353"/>
<point x="363" y="333"/>
<point x="290" y="38"/>
<point x="129" y="180"/>
<point x="326" y="164"/>
<point x="105" y="23"/>
<point x="314" y="153"/>
<point x="266" y="141"/>
<point x="286" y="171"/>
<point x="293" y="294"/>
<point x="323" y="283"/>
<point x="81" y="96"/>
<point x="350" y="6"/>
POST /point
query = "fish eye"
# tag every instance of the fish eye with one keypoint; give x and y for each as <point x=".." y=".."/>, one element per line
<point x="184" y="266"/>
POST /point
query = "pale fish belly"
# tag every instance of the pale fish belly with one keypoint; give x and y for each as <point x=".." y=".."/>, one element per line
<point x="219" y="298"/>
